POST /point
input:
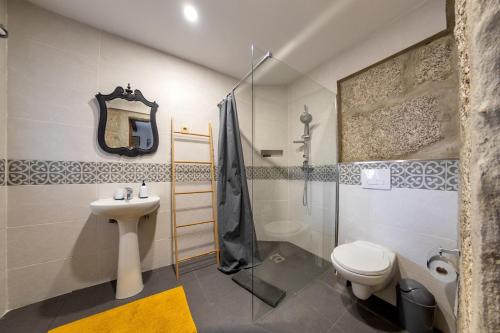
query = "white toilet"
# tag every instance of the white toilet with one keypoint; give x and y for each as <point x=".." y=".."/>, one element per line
<point x="368" y="266"/>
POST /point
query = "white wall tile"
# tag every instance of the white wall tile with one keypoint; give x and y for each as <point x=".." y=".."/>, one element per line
<point x="3" y="251"/>
<point x="155" y="227"/>
<point x="30" y="99"/>
<point x="50" y="141"/>
<point x="267" y="189"/>
<point x="48" y="242"/>
<point x="40" y="204"/>
<point x="50" y="67"/>
<point x="29" y="21"/>
<point x="3" y="207"/>
<point x="38" y="282"/>
<point x="3" y="292"/>
<point x="412" y="223"/>
<point x="417" y="211"/>
<point x="159" y="254"/>
<point x="107" y="263"/>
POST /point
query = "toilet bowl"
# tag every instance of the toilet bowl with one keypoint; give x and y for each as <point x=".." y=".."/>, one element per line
<point x="368" y="266"/>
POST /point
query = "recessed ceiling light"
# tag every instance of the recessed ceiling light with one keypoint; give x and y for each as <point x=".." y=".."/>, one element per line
<point x="190" y="13"/>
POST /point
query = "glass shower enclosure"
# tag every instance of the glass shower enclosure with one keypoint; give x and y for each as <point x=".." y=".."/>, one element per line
<point x="289" y="134"/>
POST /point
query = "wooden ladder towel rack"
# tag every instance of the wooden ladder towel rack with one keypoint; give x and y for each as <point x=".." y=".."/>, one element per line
<point x="175" y="193"/>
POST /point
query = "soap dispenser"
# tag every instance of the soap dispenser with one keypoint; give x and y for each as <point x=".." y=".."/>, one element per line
<point x="143" y="191"/>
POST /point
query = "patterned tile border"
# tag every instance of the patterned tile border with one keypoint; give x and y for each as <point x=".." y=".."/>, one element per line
<point x="262" y="172"/>
<point x="430" y="174"/>
<point x="38" y="172"/>
<point x="426" y="174"/>
<point x="2" y="172"/>
<point x="320" y="173"/>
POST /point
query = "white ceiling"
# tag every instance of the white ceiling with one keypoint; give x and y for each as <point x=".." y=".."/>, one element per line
<point x="303" y="33"/>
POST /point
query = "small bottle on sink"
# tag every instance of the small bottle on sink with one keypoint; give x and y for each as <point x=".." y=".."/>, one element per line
<point x="143" y="191"/>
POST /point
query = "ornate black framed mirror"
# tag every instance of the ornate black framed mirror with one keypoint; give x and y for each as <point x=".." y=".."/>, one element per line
<point x="127" y="123"/>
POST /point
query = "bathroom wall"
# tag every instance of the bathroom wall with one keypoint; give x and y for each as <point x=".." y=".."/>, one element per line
<point x="318" y="216"/>
<point x="395" y="36"/>
<point x="410" y="220"/>
<point x="3" y="155"/>
<point x="56" y="66"/>
<point x="414" y="218"/>
<point x="270" y="178"/>
<point x="278" y="181"/>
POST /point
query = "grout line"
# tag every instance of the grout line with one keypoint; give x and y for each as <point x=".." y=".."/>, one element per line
<point x="40" y="263"/>
<point x="342" y="315"/>
<point x="52" y="122"/>
<point x="198" y="282"/>
<point x="43" y="224"/>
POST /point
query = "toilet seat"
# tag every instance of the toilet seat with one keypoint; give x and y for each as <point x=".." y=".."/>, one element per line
<point x="363" y="258"/>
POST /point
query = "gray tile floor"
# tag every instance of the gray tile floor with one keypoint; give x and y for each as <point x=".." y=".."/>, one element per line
<point x="218" y="305"/>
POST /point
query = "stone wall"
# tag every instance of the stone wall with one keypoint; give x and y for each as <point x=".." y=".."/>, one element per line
<point x="404" y="107"/>
<point x="3" y="156"/>
<point x="477" y="33"/>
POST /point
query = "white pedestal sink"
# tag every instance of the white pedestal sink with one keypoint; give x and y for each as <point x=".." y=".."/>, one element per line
<point x="127" y="214"/>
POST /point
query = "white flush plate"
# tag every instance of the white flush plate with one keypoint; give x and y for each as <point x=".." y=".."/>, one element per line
<point x="379" y="179"/>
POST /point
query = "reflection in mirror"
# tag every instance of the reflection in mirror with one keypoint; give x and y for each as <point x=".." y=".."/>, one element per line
<point x="127" y="123"/>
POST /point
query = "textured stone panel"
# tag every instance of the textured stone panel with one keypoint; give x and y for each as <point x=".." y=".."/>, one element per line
<point x="433" y="62"/>
<point x="380" y="118"/>
<point x="478" y="38"/>
<point x="390" y="132"/>
<point x="373" y="85"/>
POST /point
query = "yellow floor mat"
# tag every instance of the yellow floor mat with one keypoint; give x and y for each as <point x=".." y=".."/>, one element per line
<point x="166" y="312"/>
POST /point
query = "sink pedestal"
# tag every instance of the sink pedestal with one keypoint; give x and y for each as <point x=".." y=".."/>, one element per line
<point x="127" y="214"/>
<point x="129" y="281"/>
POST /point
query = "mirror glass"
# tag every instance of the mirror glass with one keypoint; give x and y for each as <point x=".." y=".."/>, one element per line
<point x="128" y="124"/>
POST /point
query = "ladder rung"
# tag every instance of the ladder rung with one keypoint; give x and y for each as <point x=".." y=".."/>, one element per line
<point x="194" y="134"/>
<point x="192" y="224"/>
<point x="197" y="256"/>
<point x="194" y="192"/>
<point x="192" y="162"/>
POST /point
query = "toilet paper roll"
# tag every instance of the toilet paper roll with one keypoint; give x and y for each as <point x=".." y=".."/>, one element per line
<point x="442" y="269"/>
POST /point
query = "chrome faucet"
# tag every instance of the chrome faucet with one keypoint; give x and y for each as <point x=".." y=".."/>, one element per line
<point x="129" y="191"/>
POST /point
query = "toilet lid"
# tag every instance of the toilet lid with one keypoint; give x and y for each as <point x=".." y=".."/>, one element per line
<point x="362" y="258"/>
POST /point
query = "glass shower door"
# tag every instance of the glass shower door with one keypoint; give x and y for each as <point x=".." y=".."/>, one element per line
<point x="293" y="183"/>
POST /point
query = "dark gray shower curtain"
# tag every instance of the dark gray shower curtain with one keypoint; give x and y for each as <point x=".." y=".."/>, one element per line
<point x="238" y="248"/>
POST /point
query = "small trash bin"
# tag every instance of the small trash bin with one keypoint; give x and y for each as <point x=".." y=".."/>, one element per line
<point x="416" y="306"/>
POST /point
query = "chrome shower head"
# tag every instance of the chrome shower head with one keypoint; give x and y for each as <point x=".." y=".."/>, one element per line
<point x="305" y="116"/>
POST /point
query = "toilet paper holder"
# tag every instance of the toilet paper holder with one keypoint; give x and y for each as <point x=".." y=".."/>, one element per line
<point x="441" y="270"/>
<point x="442" y="250"/>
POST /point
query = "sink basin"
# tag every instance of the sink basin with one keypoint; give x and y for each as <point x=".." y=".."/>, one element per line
<point x="127" y="214"/>
<point x="133" y="208"/>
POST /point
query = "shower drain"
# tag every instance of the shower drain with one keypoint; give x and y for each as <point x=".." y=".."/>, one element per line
<point x="277" y="258"/>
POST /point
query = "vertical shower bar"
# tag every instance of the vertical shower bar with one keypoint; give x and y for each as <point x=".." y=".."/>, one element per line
<point x="268" y="55"/>
<point x="337" y="160"/>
